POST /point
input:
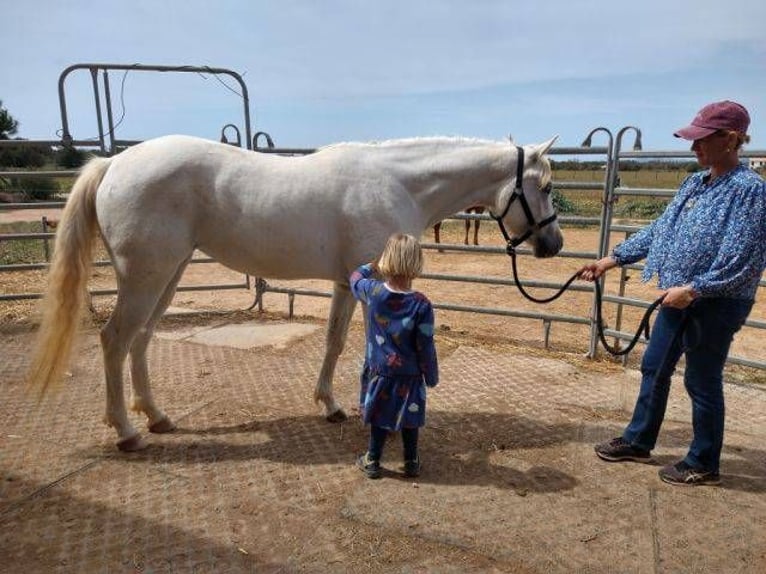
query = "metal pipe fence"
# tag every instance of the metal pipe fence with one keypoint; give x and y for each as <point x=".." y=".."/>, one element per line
<point x="609" y="190"/>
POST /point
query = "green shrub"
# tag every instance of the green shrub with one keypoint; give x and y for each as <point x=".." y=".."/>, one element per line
<point x="38" y="188"/>
<point x="70" y="157"/>
<point x="562" y="204"/>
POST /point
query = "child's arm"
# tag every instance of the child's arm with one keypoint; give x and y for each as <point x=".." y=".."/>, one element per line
<point x="359" y="280"/>
<point x="424" y="344"/>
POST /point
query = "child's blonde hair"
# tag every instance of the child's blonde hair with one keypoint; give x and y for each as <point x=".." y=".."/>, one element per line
<point x="402" y="257"/>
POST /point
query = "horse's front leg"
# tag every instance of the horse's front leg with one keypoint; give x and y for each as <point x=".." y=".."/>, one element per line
<point x="341" y="310"/>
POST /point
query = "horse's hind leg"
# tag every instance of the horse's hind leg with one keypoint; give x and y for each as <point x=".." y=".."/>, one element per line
<point x="116" y="338"/>
<point x="341" y="310"/>
<point x="141" y="398"/>
<point x="135" y="305"/>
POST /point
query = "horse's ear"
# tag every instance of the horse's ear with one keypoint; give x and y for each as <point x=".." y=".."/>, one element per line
<point x="542" y="149"/>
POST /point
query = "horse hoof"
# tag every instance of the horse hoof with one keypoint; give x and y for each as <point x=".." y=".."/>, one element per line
<point x="163" y="425"/>
<point x="132" y="444"/>
<point x="337" y="417"/>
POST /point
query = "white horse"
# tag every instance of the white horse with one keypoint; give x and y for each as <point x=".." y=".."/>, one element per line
<point x="316" y="216"/>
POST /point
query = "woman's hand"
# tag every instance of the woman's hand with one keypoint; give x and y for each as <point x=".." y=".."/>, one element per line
<point x="594" y="270"/>
<point x="679" y="297"/>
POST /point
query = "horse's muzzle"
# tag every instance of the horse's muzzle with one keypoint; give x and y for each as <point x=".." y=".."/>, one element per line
<point x="547" y="244"/>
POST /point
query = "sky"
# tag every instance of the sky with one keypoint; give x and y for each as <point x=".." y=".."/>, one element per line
<point x="325" y="71"/>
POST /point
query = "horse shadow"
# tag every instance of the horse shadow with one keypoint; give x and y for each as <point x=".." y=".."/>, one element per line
<point x="502" y="450"/>
<point x="456" y="448"/>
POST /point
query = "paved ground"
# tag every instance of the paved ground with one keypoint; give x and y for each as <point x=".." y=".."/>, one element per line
<point x="255" y="481"/>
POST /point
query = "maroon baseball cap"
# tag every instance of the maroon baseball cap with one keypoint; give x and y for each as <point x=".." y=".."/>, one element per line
<point x="725" y="115"/>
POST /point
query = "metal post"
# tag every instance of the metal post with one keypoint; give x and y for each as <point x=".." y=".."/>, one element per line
<point x="609" y="209"/>
<point x="603" y="237"/>
<point x="109" y="116"/>
<point x="46" y="247"/>
<point x="546" y="332"/>
<point x="97" y="98"/>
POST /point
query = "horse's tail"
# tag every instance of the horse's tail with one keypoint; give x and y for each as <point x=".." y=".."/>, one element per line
<point x="66" y="292"/>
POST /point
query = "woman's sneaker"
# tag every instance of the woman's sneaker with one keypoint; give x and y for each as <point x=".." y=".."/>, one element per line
<point x="412" y="468"/>
<point x="370" y="467"/>
<point x="618" y="450"/>
<point x="682" y="474"/>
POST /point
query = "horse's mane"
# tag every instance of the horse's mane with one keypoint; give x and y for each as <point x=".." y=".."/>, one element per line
<point x="415" y="141"/>
<point x="546" y="171"/>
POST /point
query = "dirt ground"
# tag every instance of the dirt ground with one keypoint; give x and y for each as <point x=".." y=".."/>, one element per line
<point x="254" y="480"/>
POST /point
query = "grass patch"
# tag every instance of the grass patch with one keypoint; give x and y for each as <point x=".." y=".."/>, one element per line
<point x="588" y="202"/>
<point x="20" y="251"/>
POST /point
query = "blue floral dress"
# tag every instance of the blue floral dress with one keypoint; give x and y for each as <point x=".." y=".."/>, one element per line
<point x="400" y="358"/>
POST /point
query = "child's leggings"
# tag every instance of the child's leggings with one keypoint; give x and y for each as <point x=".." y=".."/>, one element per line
<point x="378" y="440"/>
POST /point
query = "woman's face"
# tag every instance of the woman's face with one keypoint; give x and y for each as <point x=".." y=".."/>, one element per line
<point x="714" y="149"/>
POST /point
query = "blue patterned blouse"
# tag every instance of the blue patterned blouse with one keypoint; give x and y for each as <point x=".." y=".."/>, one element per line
<point x="711" y="236"/>
<point x="400" y="358"/>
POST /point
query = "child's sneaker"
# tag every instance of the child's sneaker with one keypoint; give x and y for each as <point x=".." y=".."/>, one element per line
<point x="412" y="468"/>
<point x="370" y="467"/>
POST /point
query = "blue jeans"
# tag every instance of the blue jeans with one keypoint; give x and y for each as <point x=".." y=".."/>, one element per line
<point x="703" y="332"/>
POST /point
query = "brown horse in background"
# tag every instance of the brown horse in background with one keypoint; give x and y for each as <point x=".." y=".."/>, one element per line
<point x="477" y="209"/>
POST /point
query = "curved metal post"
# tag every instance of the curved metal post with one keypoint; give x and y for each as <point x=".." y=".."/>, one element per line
<point x="603" y="237"/>
<point x="609" y="208"/>
<point x="266" y="136"/>
<point x="225" y="140"/>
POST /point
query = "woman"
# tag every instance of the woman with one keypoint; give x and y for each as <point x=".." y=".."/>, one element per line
<point x="708" y="250"/>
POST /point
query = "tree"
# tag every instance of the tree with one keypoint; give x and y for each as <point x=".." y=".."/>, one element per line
<point x="26" y="156"/>
<point x="8" y="125"/>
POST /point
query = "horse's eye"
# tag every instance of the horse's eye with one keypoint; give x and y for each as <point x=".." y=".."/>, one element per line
<point x="548" y="188"/>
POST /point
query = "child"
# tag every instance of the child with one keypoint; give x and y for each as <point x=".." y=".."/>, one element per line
<point x="400" y="358"/>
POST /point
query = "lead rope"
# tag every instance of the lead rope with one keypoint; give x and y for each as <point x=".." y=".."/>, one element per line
<point x="643" y="326"/>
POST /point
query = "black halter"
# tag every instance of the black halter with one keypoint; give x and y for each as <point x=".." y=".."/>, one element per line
<point x="518" y="192"/>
